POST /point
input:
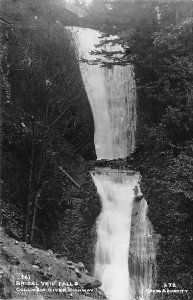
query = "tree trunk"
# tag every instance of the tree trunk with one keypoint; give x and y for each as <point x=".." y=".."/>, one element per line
<point x="29" y="200"/>
<point x="34" y="215"/>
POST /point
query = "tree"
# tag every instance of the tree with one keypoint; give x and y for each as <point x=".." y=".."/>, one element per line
<point x="41" y="81"/>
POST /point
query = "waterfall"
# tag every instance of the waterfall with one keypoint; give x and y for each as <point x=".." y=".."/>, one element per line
<point x="115" y="188"/>
<point x="142" y="250"/>
<point x="125" y="251"/>
<point x="112" y="96"/>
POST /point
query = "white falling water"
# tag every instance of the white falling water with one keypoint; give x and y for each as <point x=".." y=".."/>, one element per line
<point x="113" y="230"/>
<point x="142" y="251"/>
<point x="112" y="95"/>
<point x="125" y="249"/>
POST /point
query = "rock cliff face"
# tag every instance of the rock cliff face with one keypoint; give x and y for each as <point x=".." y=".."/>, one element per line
<point x="73" y="233"/>
<point x="36" y="274"/>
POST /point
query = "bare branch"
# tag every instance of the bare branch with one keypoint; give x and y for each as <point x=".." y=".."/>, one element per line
<point x="5" y="21"/>
<point x="71" y="179"/>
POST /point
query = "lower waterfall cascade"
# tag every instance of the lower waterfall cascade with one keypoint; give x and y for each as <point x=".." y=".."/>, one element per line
<point x="125" y="252"/>
<point x="111" y="260"/>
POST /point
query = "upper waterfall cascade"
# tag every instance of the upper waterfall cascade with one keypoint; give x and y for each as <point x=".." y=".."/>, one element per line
<point x="112" y="96"/>
<point x="125" y="252"/>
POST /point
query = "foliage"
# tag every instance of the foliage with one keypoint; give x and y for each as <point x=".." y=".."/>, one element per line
<point x="39" y="93"/>
<point x="162" y="54"/>
<point x="179" y="174"/>
<point x="76" y="225"/>
<point x="160" y="38"/>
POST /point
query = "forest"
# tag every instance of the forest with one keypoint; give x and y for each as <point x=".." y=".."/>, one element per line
<point x="47" y="128"/>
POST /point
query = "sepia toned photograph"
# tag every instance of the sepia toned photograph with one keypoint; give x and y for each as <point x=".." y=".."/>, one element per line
<point x="96" y="149"/>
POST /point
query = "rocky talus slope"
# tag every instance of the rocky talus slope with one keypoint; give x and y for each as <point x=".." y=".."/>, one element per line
<point x="32" y="273"/>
